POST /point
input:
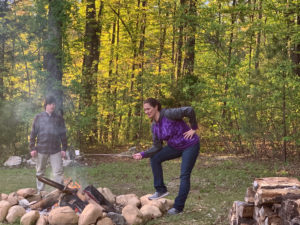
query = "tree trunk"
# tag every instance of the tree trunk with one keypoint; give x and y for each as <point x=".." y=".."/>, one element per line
<point x="54" y="53"/>
<point x="162" y="37"/>
<point x="180" y="39"/>
<point x="3" y="37"/>
<point x="189" y="60"/>
<point x="90" y="66"/>
<point x="139" y="105"/>
<point x="295" y="54"/>
<point x="115" y="127"/>
<point x="173" y="58"/>
<point x="258" y="40"/>
<point x="233" y="19"/>
<point x="110" y="79"/>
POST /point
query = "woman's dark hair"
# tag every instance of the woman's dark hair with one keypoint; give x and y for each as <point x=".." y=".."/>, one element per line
<point x="153" y="102"/>
<point x="49" y="100"/>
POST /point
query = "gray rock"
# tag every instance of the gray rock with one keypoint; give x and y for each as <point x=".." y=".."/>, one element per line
<point x="31" y="162"/>
<point x="118" y="219"/>
<point x="13" y="161"/>
<point x="67" y="162"/>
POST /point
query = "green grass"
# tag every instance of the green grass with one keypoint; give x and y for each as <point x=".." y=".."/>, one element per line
<point x="215" y="183"/>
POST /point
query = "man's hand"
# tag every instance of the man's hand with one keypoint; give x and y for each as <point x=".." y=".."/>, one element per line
<point x="189" y="134"/>
<point x="63" y="154"/>
<point x="137" y="156"/>
<point x="33" y="153"/>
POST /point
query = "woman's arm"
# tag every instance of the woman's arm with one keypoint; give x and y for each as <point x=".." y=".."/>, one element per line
<point x="156" y="146"/>
<point x="180" y="113"/>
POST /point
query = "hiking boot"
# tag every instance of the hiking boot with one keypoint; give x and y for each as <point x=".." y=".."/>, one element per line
<point x="173" y="211"/>
<point x="158" y="195"/>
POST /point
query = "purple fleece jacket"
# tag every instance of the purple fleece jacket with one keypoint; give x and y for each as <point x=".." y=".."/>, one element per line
<point x="170" y="127"/>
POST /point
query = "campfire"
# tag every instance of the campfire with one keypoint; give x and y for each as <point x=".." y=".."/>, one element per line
<point x="270" y="201"/>
<point x="70" y="204"/>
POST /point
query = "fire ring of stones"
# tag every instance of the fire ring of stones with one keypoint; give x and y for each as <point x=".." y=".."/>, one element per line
<point x="97" y="206"/>
<point x="270" y="201"/>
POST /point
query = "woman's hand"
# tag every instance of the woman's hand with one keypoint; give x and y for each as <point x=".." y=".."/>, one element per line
<point x="137" y="156"/>
<point x="189" y="134"/>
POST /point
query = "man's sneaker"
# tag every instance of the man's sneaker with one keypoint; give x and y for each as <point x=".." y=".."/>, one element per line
<point x="173" y="211"/>
<point x="158" y="195"/>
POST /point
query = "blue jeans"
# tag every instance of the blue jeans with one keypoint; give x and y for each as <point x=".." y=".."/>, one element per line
<point x="189" y="157"/>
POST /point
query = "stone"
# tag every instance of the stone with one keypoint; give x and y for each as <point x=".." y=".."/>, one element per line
<point x="67" y="162"/>
<point x="13" y="198"/>
<point x="3" y="196"/>
<point x="167" y="203"/>
<point x="43" y="220"/>
<point x="132" y="214"/>
<point x="26" y="192"/>
<point x="30" y="218"/>
<point x="15" y="213"/>
<point x="33" y="198"/>
<point x="144" y="199"/>
<point x="4" y="207"/>
<point x="106" y="192"/>
<point x="150" y="211"/>
<point x="63" y="216"/>
<point x="24" y="203"/>
<point x="90" y="214"/>
<point x="160" y="203"/>
<point x="105" y="221"/>
<point x="129" y="199"/>
<point x="13" y="161"/>
<point x="117" y="218"/>
<point x="31" y="162"/>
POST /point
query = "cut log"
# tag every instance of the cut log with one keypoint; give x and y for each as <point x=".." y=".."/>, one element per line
<point x="241" y="213"/>
<point x="290" y="209"/>
<point x="276" y="208"/>
<point x="47" y="201"/>
<point x="246" y="221"/>
<point x="265" y="212"/>
<point x="244" y="210"/>
<point x="273" y="220"/>
<point x="275" y="183"/>
<point x="233" y="214"/>
<point x="261" y="213"/>
<point x="256" y="213"/>
<point x="250" y="193"/>
<point x="295" y="221"/>
<point x="271" y="196"/>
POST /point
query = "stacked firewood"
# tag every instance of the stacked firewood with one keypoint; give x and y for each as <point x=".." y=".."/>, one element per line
<point x="270" y="201"/>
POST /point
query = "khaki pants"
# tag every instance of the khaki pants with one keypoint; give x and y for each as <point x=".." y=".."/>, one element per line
<point x="56" y="165"/>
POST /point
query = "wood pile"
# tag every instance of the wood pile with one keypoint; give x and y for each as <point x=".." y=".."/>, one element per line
<point x="270" y="201"/>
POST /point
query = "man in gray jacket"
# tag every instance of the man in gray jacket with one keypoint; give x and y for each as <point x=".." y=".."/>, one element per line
<point x="47" y="136"/>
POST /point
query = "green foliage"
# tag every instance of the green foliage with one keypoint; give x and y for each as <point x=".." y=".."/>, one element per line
<point x="243" y="86"/>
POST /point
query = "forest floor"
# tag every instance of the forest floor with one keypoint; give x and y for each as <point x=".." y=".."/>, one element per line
<point x="216" y="181"/>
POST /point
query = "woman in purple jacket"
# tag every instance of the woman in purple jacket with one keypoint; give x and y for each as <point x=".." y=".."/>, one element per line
<point x="182" y="141"/>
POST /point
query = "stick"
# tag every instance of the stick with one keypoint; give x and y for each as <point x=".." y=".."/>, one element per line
<point x="113" y="155"/>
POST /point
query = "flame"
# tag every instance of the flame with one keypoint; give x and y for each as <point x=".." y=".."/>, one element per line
<point x="71" y="184"/>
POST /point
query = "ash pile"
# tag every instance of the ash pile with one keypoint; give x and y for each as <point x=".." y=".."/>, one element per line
<point x="270" y="201"/>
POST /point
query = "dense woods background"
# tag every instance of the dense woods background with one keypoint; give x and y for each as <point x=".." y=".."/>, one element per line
<point x="236" y="62"/>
